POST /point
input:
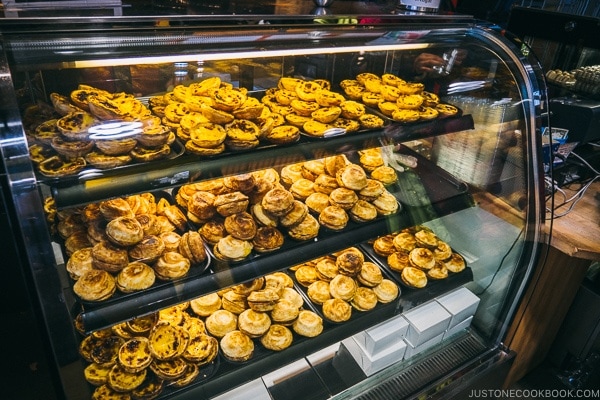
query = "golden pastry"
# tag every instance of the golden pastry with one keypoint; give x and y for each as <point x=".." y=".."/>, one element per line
<point x="103" y="161"/>
<point x="327" y="268"/>
<point x="343" y="197"/>
<point x="372" y="191"/>
<point x="288" y="83"/>
<point x="262" y="300"/>
<point x="120" y="380"/>
<point x="443" y="251"/>
<point x="307" y="229"/>
<point x="308" y="324"/>
<point x="362" y="211"/>
<point x="116" y="147"/>
<point x="230" y="248"/>
<point x="236" y="346"/>
<point x="342" y="287"/>
<point x="191" y="246"/>
<point x="421" y="258"/>
<point x="316" y="128"/>
<point x="398" y="260"/>
<point x="292" y="296"/>
<point x="169" y="369"/>
<point x="228" y="99"/>
<point x="233" y="302"/>
<point x="428" y="113"/>
<point x="231" y="203"/>
<point x="446" y="110"/>
<point x="167" y="341"/>
<point x="134" y="355"/>
<point x="71" y="149"/>
<point x="386" y="204"/>
<point x="332" y="164"/>
<point x="124" y="231"/>
<point x="426" y="238"/>
<point x="352" y="109"/>
<point x="79" y="263"/>
<point x="97" y="374"/>
<point x="456" y="263"/>
<point x="306" y="275"/>
<point x="262" y="217"/>
<point x="192" y="371"/>
<point x="318" y="292"/>
<point x="295" y="215"/>
<point x="324" y="183"/>
<point x="171" y="265"/>
<point x="283" y="134"/>
<point x="439" y="271"/>
<point x="95" y="285"/>
<point x="154" y="136"/>
<point x="114" y="208"/>
<point x="370" y="274"/>
<point x="370" y="121"/>
<point x="109" y="257"/>
<point x="302" y="188"/>
<point x="240" y="225"/>
<point x="208" y="135"/>
<point x="277" y="338"/>
<point x="350" y="261"/>
<point x="278" y="202"/>
<point x="141" y="325"/>
<point x="267" y="239"/>
<point x="221" y="322"/>
<point x="334" y="218"/>
<point x="150" y="388"/>
<point x="251" y="109"/>
<point x="75" y="125"/>
<point x="337" y="310"/>
<point x="171" y="240"/>
<point x="291" y="173"/>
<point x="405" y="242"/>
<point x="206" y="305"/>
<point x="384" y="174"/>
<point x="317" y="202"/>
<point x="201" y="349"/>
<point x="242" y="135"/>
<point x="253" y="323"/>
<point x="311" y="169"/>
<point x="326" y="115"/>
<point x="134" y="277"/>
<point x="387" y="291"/>
<point x="352" y="176"/>
<point x="364" y="299"/>
<point x="285" y="312"/>
<point x="213" y="231"/>
<point x="414" y="277"/>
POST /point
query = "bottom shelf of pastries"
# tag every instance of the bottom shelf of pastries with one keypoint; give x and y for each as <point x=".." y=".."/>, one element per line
<point x="242" y="330"/>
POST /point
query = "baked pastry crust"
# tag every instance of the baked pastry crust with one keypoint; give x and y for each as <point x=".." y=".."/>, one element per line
<point x="234" y="302"/>
<point x="317" y="202"/>
<point x="343" y="197"/>
<point x="337" y="310"/>
<point x="230" y="248"/>
<point x="384" y="174"/>
<point x="386" y="204"/>
<point x="343" y="287"/>
<point x="387" y="291"/>
<point x="277" y="338"/>
<point x="421" y="258"/>
<point x="213" y="231"/>
<point x="253" y="323"/>
<point x="134" y="354"/>
<point x="201" y="349"/>
<point x="121" y="380"/>
<point x="278" y="201"/>
<point x="191" y="246"/>
<point x="307" y="229"/>
<point x="167" y="341"/>
<point x="95" y="285"/>
<point x="363" y="211"/>
<point x="79" y="263"/>
<point x="439" y="271"/>
<point x="404" y="242"/>
<point x="308" y="324"/>
<point x="124" y="231"/>
<point x="109" y="257"/>
<point x="398" y="260"/>
<point x="306" y="275"/>
<point x="237" y="346"/>
<point x="352" y="176"/>
<point x="350" y="261"/>
<point x="169" y="369"/>
<point x="327" y="268"/>
<point x="171" y="265"/>
<point x="134" y="277"/>
<point x="456" y="263"/>
<point x="206" y="305"/>
<point x="414" y="277"/>
<point x="241" y="226"/>
<point x="318" y="292"/>
<point x="267" y="239"/>
<point x="333" y="217"/>
<point x="364" y="299"/>
<point x="370" y="274"/>
<point x="230" y="203"/>
<point x="221" y="322"/>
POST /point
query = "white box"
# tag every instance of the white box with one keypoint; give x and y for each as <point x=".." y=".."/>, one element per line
<point x="254" y="390"/>
<point x="372" y="364"/>
<point x="426" y="322"/>
<point x="461" y="303"/>
<point x="381" y="336"/>
<point x="412" y="351"/>
<point x="461" y="326"/>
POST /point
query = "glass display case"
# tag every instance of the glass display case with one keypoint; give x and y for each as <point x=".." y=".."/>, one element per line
<point x="289" y="205"/>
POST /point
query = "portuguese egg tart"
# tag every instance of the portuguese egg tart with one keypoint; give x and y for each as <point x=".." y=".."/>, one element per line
<point x="75" y="125"/>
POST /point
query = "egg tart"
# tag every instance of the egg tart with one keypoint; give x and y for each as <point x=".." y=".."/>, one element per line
<point x="134" y="355"/>
<point x="147" y="154"/>
<point x="74" y="126"/>
<point x="150" y="388"/>
<point x="97" y="374"/>
<point x="71" y="149"/>
<point x="370" y="121"/>
<point x="208" y="135"/>
<point x="169" y="369"/>
<point x="120" y="380"/>
<point x="201" y="349"/>
<point x="167" y="341"/>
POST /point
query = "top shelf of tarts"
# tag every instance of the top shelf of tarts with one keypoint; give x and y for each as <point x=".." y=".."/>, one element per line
<point x="93" y="133"/>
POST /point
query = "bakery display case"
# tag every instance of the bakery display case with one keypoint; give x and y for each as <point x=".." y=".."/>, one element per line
<point x="297" y="204"/>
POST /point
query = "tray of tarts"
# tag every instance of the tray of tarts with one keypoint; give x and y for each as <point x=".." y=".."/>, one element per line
<point x="345" y="285"/>
<point x="93" y="129"/>
<point x="186" y="344"/>
<point x="417" y="258"/>
<point x="397" y="99"/>
<point x="119" y="247"/>
<point x="246" y="216"/>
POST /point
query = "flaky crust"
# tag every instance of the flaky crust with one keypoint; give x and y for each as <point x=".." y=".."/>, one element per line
<point x="308" y="324"/>
<point x="135" y="276"/>
<point x="277" y="338"/>
<point x="171" y="265"/>
<point x="95" y="285"/>
<point x="124" y="231"/>
<point x="237" y="346"/>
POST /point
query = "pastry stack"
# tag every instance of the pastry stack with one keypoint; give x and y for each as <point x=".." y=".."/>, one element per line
<point x="125" y="244"/>
<point x="65" y="144"/>
<point x="312" y="107"/>
<point x="418" y="255"/>
<point x="343" y="282"/>
<point x="139" y="357"/>
<point x="396" y="98"/>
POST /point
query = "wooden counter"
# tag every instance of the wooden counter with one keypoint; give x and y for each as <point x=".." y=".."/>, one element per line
<point x="572" y="244"/>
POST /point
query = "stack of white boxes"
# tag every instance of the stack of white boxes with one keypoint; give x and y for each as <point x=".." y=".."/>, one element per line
<point x="412" y="332"/>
